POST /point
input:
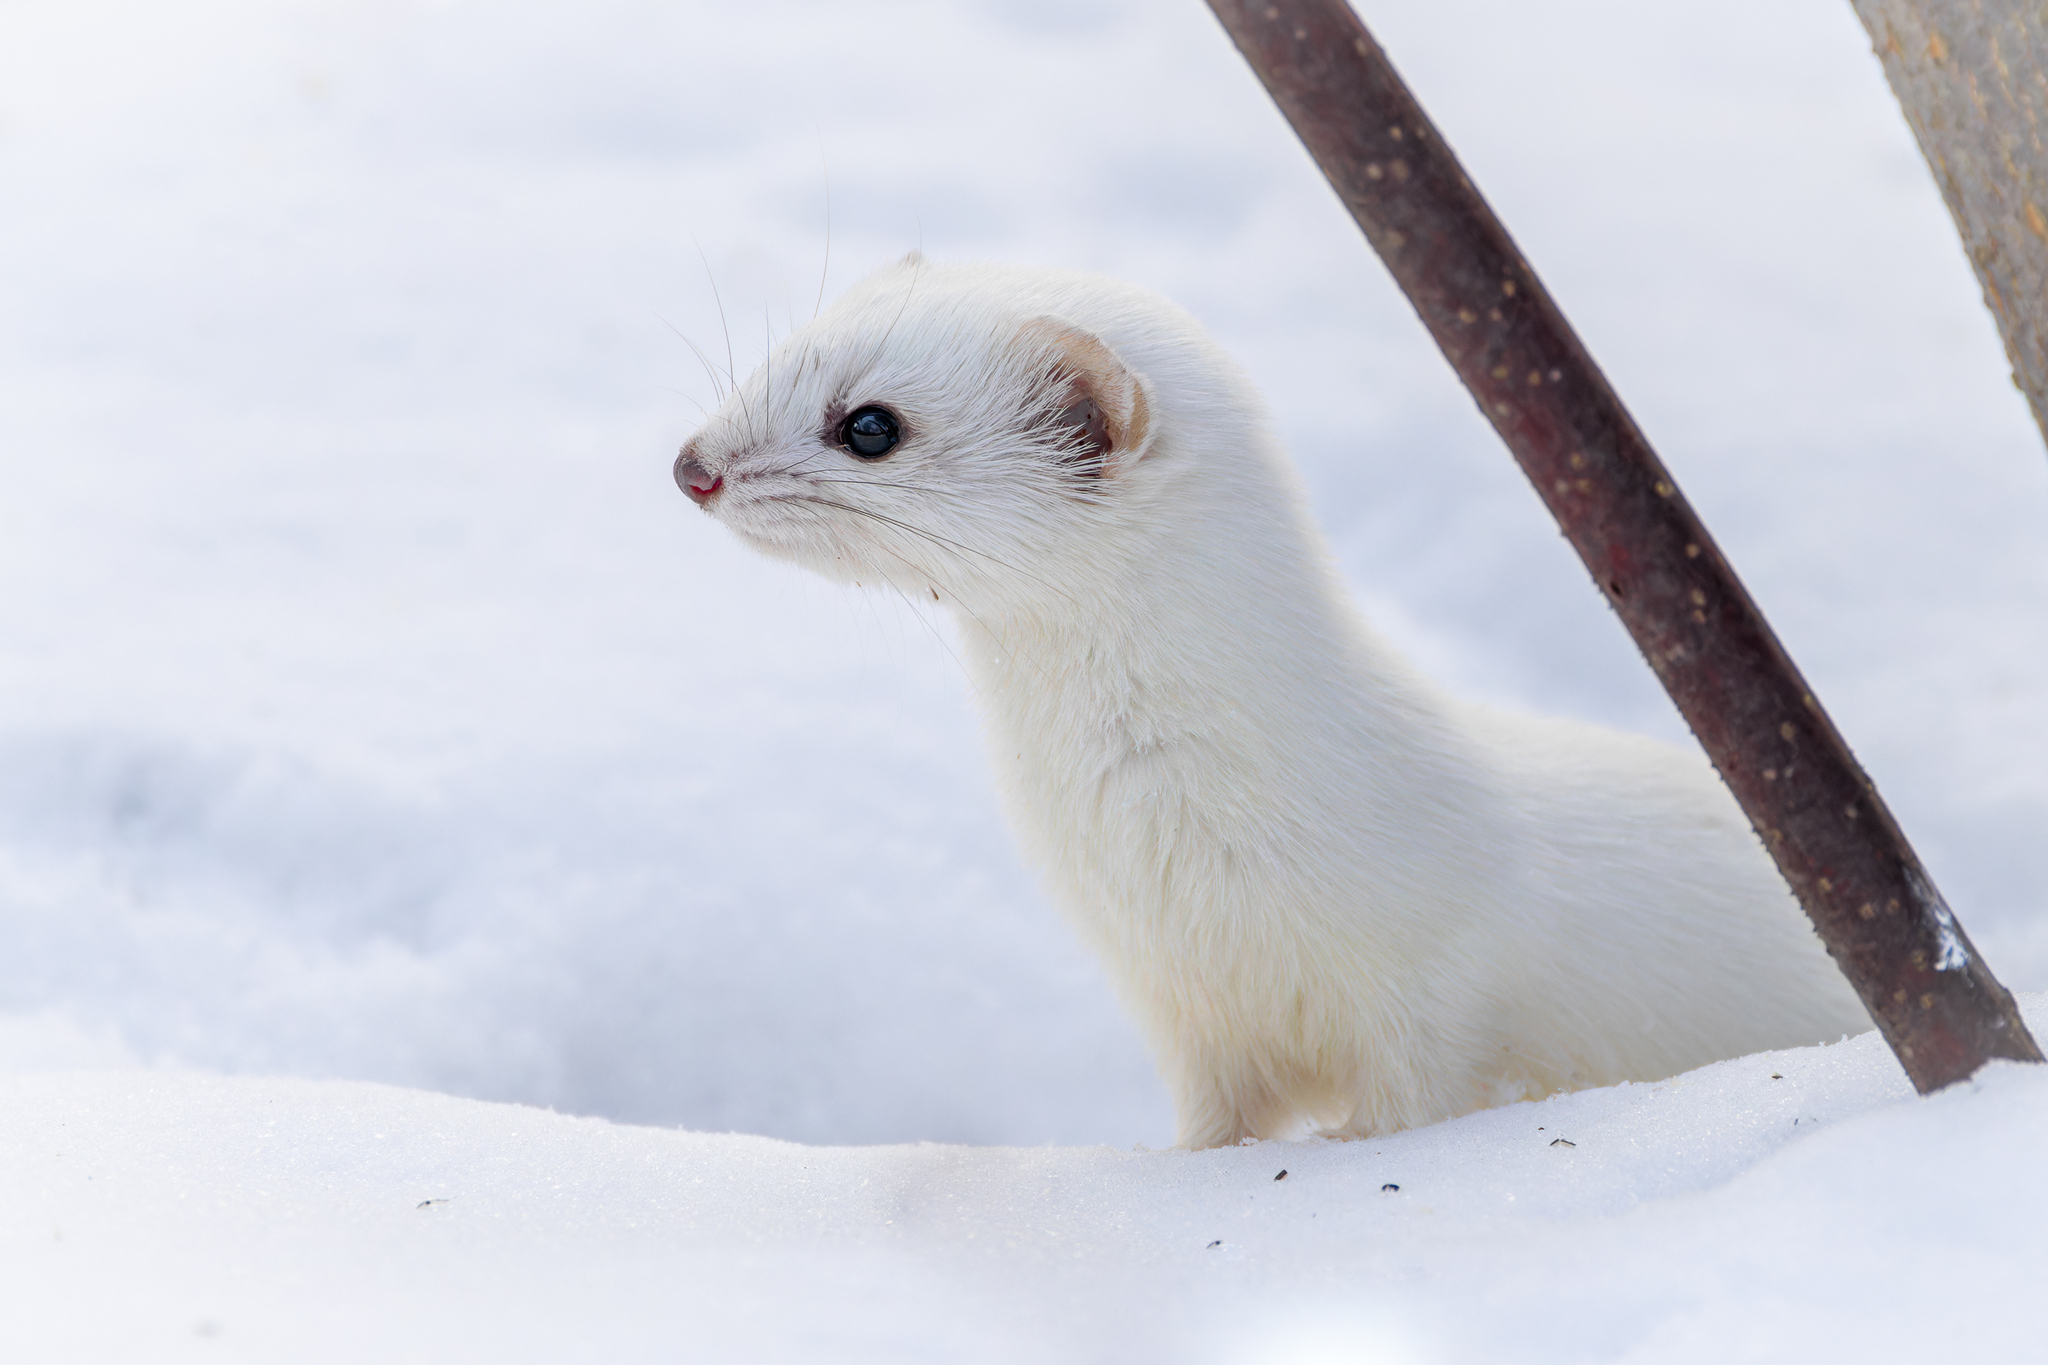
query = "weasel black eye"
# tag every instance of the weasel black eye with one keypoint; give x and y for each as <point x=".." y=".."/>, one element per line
<point x="870" y="433"/>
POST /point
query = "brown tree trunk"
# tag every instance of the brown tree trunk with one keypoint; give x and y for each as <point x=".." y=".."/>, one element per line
<point x="1972" y="76"/>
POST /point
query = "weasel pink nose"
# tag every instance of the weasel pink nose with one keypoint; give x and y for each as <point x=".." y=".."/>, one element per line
<point x="696" y="480"/>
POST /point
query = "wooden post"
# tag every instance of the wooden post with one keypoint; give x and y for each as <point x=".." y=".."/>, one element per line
<point x="1972" y="76"/>
<point x="1935" y="1000"/>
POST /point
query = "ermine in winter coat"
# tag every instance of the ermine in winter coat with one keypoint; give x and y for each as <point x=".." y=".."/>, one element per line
<point x="1335" y="898"/>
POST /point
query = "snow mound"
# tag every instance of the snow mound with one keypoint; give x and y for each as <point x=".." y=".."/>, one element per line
<point x="1757" y="1209"/>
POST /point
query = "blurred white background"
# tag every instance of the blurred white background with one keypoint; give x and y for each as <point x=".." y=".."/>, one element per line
<point x="372" y="705"/>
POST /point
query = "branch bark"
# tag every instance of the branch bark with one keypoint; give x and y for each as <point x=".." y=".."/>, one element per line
<point x="1874" y="905"/>
<point x="1972" y="77"/>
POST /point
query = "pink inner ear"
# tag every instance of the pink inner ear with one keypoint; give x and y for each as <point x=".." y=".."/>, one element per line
<point x="1086" y="417"/>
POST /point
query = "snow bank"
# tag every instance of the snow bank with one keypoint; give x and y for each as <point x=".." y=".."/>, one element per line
<point x="1798" y="1205"/>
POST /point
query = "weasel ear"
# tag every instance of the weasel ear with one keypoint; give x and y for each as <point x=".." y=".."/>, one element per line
<point x="1107" y="403"/>
<point x="914" y="256"/>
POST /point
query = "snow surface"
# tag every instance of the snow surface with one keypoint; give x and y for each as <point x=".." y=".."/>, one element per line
<point x="373" y="709"/>
<point x="1730" y="1214"/>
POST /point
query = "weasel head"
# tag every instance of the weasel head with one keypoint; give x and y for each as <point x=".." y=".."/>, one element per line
<point x="962" y="432"/>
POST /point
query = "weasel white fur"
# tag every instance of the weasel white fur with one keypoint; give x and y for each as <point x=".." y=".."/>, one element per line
<point x="1335" y="898"/>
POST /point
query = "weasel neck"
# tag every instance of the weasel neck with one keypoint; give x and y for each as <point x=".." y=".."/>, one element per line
<point x="1236" y="626"/>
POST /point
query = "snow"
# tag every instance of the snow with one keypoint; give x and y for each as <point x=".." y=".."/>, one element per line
<point x="1788" y="1206"/>
<point x="374" y="713"/>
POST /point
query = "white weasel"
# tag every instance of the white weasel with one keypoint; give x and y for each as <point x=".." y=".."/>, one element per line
<point x="1335" y="898"/>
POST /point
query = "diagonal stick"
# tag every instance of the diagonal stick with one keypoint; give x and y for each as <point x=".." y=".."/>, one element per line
<point x="1875" y="907"/>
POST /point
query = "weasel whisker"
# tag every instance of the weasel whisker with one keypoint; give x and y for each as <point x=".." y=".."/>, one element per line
<point x="738" y="389"/>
